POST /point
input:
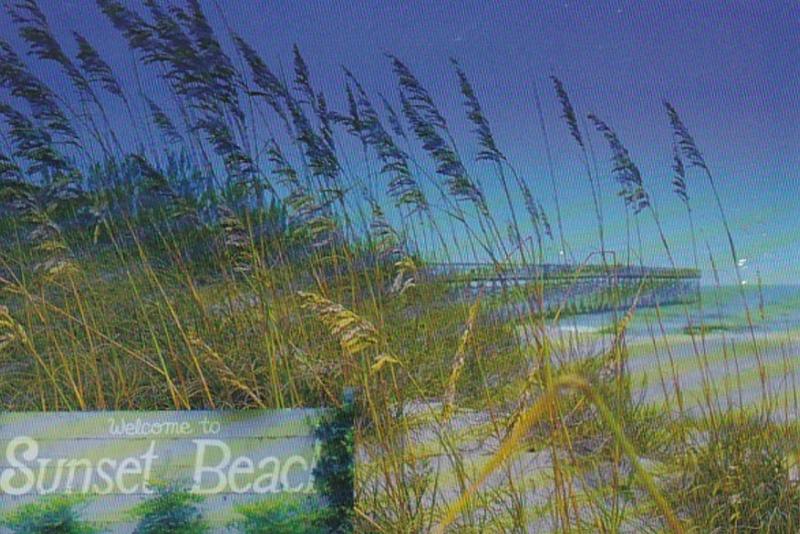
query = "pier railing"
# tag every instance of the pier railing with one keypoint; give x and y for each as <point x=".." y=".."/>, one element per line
<point x="575" y="288"/>
<point x="488" y="271"/>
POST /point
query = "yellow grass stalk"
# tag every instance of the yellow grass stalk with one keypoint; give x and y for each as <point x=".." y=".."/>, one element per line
<point x="530" y="418"/>
<point x="354" y="333"/>
<point x="13" y="332"/>
<point x="458" y="362"/>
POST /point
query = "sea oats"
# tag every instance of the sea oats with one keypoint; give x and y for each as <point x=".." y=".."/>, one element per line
<point x="354" y="333"/>
<point x="10" y="330"/>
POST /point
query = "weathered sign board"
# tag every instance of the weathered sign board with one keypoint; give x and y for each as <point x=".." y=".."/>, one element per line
<point x="114" y="461"/>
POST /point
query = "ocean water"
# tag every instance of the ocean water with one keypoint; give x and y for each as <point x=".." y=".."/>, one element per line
<point x="735" y="364"/>
<point x="773" y="309"/>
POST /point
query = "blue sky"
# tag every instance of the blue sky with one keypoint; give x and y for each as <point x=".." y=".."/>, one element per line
<point x="731" y="69"/>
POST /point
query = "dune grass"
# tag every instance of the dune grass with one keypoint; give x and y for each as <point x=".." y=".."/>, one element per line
<point x="252" y="246"/>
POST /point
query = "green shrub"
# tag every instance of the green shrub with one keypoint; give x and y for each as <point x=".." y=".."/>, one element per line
<point x="172" y="510"/>
<point x="57" y="515"/>
<point x="281" y="515"/>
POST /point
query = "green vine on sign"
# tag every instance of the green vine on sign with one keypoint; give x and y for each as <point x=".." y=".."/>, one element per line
<point x="335" y="469"/>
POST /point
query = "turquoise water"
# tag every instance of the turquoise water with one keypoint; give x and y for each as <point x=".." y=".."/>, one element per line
<point x="734" y="366"/>
<point x="773" y="309"/>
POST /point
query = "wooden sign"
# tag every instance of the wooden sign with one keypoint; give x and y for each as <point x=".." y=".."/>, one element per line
<point x="107" y="464"/>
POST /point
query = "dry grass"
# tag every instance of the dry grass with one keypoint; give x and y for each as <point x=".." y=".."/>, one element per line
<point x="235" y="277"/>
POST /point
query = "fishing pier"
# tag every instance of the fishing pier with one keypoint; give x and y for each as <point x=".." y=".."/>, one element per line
<point x="573" y="288"/>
